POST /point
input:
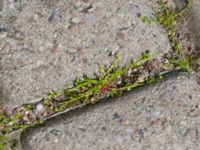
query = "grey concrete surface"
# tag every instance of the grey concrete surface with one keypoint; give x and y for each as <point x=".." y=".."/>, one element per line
<point x="44" y="45"/>
<point x="165" y="116"/>
<point x="177" y="4"/>
<point x="194" y="22"/>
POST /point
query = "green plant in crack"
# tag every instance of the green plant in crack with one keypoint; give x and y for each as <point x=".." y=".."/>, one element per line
<point x="111" y="81"/>
<point x="5" y="142"/>
<point x="181" y="64"/>
<point x="88" y="90"/>
<point x="167" y="18"/>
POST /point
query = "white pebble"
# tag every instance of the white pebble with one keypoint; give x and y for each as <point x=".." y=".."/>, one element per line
<point x="39" y="107"/>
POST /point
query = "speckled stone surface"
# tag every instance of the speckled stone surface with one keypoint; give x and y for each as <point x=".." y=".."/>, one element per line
<point x="46" y="44"/>
<point x="164" y="116"/>
<point x="195" y="22"/>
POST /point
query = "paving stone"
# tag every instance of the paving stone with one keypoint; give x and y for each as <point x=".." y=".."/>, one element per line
<point x="195" y="22"/>
<point x="45" y="45"/>
<point x="162" y="116"/>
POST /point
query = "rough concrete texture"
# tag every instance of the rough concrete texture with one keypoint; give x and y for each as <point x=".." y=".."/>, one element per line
<point x="195" y="22"/>
<point x="46" y="44"/>
<point x="177" y="4"/>
<point x="164" y="116"/>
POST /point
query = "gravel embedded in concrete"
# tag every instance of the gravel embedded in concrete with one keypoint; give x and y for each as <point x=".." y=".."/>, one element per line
<point x="44" y="45"/>
<point x="162" y="116"/>
<point x="194" y="22"/>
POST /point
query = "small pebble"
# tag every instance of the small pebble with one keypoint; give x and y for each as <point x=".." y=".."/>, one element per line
<point x="125" y="122"/>
<point x="56" y="140"/>
<point x="10" y="123"/>
<point x="116" y="116"/>
<point x="39" y="107"/>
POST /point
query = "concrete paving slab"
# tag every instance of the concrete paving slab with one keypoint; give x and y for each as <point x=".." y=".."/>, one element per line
<point x="44" y="45"/>
<point x="164" y="116"/>
<point x="195" y="22"/>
